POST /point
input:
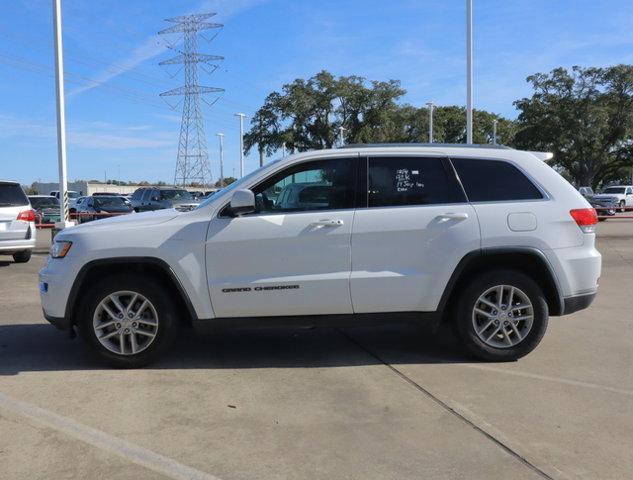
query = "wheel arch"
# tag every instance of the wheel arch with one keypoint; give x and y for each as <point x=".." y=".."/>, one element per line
<point x="530" y="261"/>
<point x="156" y="267"/>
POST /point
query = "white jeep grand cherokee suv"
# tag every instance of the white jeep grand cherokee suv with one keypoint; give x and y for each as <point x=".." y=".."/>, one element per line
<point x="492" y="239"/>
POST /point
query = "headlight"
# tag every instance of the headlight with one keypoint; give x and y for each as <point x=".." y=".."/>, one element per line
<point x="60" y="249"/>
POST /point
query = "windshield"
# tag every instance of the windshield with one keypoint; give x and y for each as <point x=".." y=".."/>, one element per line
<point x="176" y="195"/>
<point x="109" y="202"/>
<point x="614" y="190"/>
<point x="73" y="195"/>
<point x="236" y="185"/>
<point x="44" y="202"/>
<point x="11" y="194"/>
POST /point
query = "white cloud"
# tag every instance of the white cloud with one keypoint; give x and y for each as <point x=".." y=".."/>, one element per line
<point x="155" y="45"/>
<point x="99" y="135"/>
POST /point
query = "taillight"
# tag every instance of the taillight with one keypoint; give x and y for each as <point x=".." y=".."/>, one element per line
<point x="27" y="215"/>
<point x="586" y="219"/>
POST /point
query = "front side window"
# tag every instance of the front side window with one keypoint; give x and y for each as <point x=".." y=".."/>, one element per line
<point x="318" y="185"/>
<point x="400" y="181"/>
<point x="494" y="181"/>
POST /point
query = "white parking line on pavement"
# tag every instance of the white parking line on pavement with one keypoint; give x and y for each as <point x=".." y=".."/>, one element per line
<point x="139" y="455"/>
<point x="535" y="376"/>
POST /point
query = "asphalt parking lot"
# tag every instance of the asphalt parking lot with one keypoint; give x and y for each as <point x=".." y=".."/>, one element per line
<point x="362" y="403"/>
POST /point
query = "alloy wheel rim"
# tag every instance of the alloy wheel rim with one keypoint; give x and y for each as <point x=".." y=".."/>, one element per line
<point x="503" y="316"/>
<point x="125" y="322"/>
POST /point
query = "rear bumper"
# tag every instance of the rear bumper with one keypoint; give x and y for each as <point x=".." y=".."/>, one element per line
<point x="577" y="302"/>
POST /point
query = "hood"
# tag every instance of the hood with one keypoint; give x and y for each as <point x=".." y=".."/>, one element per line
<point x="605" y="196"/>
<point x="128" y="221"/>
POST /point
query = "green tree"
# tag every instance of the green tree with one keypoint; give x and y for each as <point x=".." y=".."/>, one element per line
<point x="307" y="114"/>
<point x="585" y="117"/>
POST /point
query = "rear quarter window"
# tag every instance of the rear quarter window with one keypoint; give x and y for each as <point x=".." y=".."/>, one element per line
<point x="12" y="195"/>
<point x="494" y="181"/>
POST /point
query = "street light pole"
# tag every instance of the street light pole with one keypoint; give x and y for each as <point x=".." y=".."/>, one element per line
<point x="494" y="131"/>
<point x="221" y="138"/>
<point x="61" y="116"/>
<point x="241" y="115"/>
<point x="430" y="105"/>
<point x="341" y="140"/>
<point x="469" y="71"/>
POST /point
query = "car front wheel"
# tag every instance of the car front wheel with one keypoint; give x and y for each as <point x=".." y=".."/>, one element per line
<point x="502" y="315"/>
<point x="22" y="257"/>
<point x="622" y="206"/>
<point x="128" y="320"/>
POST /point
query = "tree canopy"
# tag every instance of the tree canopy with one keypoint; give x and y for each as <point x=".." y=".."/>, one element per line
<point x="584" y="116"/>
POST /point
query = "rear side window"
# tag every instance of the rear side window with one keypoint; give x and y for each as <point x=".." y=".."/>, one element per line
<point x="494" y="181"/>
<point x="399" y="181"/>
<point x="12" y="195"/>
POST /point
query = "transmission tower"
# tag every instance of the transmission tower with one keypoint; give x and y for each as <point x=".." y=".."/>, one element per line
<point x="192" y="164"/>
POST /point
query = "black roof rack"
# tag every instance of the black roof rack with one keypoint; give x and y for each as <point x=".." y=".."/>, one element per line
<point x="451" y="145"/>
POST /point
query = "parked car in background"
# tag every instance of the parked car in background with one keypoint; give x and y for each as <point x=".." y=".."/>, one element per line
<point x="197" y="195"/>
<point x="72" y="197"/>
<point x="586" y="192"/>
<point x="158" y="198"/>
<point x="46" y="208"/>
<point x="17" y="222"/>
<point x="605" y="206"/>
<point x="622" y="194"/>
<point x="93" y="208"/>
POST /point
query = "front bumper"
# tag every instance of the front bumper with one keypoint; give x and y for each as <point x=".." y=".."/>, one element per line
<point x="577" y="302"/>
<point x="61" y="323"/>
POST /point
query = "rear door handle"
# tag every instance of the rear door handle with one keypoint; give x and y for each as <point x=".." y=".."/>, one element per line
<point x="327" y="223"/>
<point x="453" y="216"/>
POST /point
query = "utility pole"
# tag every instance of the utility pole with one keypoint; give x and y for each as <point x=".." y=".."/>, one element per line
<point x="283" y="150"/>
<point x="341" y="140"/>
<point x="469" y="71"/>
<point x="192" y="163"/>
<point x="430" y="105"/>
<point x="494" y="131"/>
<point x="241" y="116"/>
<point x="61" y="116"/>
<point x="221" y="138"/>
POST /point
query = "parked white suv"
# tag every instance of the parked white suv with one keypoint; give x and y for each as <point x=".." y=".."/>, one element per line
<point x="17" y="222"/>
<point x="491" y="239"/>
<point x="622" y="195"/>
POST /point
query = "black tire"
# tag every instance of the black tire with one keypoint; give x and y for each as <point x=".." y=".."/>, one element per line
<point x="622" y="206"/>
<point x="152" y="290"/>
<point x="22" y="256"/>
<point x="467" y="301"/>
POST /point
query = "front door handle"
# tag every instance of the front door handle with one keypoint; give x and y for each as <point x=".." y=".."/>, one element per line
<point x="327" y="223"/>
<point x="453" y="216"/>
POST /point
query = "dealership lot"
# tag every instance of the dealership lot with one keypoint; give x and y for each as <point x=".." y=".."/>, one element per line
<point x="362" y="403"/>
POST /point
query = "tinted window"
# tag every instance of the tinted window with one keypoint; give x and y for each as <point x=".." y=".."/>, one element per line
<point x="107" y="201"/>
<point x="395" y="181"/>
<point x="147" y="195"/>
<point x="12" y="194"/>
<point x="614" y="190"/>
<point x="137" y="194"/>
<point x="494" y="180"/>
<point x="319" y="185"/>
<point x="175" y="195"/>
<point x="44" y="202"/>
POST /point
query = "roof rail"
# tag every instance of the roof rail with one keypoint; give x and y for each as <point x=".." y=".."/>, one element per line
<point x="450" y="145"/>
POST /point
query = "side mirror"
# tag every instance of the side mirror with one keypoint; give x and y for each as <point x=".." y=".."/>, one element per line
<point x="242" y="202"/>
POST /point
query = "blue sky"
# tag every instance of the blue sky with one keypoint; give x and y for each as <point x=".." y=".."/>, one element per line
<point x="117" y="123"/>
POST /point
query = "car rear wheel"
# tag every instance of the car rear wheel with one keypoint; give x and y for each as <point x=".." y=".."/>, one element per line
<point x="128" y="320"/>
<point x="502" y="315"/>
<point x="22" y="256"/>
